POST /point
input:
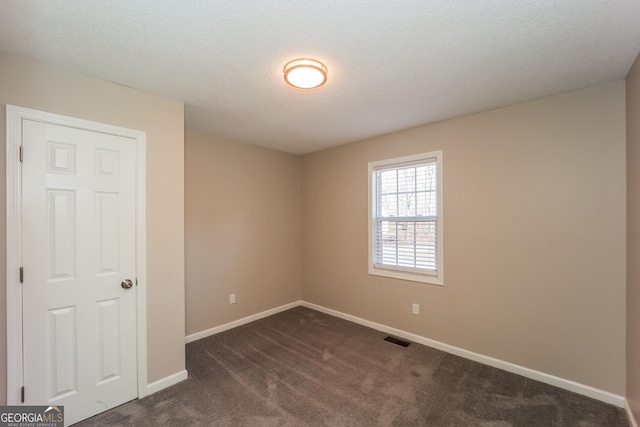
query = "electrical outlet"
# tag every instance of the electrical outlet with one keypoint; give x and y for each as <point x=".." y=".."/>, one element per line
<point x="416" y="308"/>
<point x="232" y="298"/>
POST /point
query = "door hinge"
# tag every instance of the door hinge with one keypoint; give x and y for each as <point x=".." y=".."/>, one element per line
<point x="21" y="154"/>
<point x="22" y="394"/>
<point x="21" y="274"/>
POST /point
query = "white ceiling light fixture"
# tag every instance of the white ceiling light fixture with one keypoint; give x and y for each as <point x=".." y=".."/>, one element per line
<point x="305" y="73"/>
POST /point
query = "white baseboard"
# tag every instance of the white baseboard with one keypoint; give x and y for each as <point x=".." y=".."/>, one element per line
<point x="632" y="419"/>
<point x="573" y="386"/>
<point x="165" y="382"/>
<point x="240" y="322"/>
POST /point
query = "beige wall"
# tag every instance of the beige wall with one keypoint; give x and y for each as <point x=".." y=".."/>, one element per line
<point x="534" y="223"/>
<point x="534" y="210"/>
<point x="32" y="84"/>
<point x="242" y="230"/>
<point x="633" y="239"/>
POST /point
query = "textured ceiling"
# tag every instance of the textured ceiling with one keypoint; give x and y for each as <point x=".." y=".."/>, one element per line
<point x="392" y="64"/>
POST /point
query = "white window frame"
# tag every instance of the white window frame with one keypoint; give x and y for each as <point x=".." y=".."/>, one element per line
<point x="403" y="273"/>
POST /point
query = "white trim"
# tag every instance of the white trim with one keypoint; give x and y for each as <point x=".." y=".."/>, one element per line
<point x="141" y="263"/>
<point x="585" y="390"/>
<point x="14" y="257"/>
<point x="399" y="272"/>
<point x="165" y="382"/>
<point x="15" y="116"/>
<point x="630" y="416"/>
<point x="216" y="330"/>
<point x="573" y="386"/>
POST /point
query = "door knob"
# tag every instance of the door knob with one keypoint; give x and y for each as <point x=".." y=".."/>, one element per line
<point x="126" y="283"/>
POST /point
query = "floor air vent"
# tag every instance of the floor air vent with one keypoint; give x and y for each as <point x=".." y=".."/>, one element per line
<point x="398" y="341"/>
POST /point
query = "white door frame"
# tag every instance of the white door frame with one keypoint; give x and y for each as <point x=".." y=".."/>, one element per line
<point x="15" y="116"/>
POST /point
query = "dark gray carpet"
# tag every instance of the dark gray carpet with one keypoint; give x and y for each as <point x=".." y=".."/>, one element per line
<point x="305" y="368"/>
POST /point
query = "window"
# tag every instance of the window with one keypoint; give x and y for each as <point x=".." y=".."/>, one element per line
<point x="405" y="220"/>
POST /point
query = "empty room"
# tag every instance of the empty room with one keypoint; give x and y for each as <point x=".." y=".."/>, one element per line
<point x="290" y="213"/>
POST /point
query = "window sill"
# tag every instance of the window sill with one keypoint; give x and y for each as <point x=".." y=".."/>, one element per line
<point x="405" y="275"/>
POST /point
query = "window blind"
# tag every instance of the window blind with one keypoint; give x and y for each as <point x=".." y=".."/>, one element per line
<point x="405" y="216"/>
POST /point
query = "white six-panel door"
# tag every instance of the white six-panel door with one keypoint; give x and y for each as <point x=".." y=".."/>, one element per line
<point x="79" y="238"/>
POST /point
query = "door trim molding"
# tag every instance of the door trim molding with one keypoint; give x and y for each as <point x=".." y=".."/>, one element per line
<point x="15" y="116"/>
